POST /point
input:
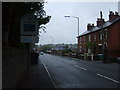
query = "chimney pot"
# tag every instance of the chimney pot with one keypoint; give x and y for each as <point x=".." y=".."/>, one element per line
<point x="93" y="25"/>
<point x="100" y="21"/>
<point x="90" y="26"/>
<point x="112" y="15"/>
<point x="101" y="15"/>
<point x="116" y="13"/>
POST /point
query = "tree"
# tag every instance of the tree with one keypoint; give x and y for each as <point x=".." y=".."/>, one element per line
<point x="12" y="13"/>
<point x="92" y="47"/>
<point x="66" y="50"/>
<point x="44" y="48"/>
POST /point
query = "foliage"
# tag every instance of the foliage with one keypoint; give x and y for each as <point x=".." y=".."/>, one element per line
<point x="44" y="20"/>
<point x="12" y="12"/>
<point x="44" y="48"/>
<point x="66" y="50"/>
<point x="91" y="45"/>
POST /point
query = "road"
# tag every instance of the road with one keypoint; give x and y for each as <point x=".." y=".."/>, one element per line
<point x="73" y="73"/>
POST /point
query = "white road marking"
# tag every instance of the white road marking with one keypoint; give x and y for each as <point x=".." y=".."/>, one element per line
<point x="108" y="78"/>
<point x="80" y="67"/>
<point x="48" y="73"/>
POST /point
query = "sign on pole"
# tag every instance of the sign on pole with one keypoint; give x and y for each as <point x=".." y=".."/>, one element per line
<point x="29" y="25"/>
<point x="29" y="29"/>
<point x="29" y="39"/>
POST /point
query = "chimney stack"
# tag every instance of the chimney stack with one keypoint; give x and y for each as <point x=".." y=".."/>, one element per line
<point x="100" y="14"/>
<point x="100" y="20"/>
<point x="113" y="15"/>
<point x="90" y="26"/>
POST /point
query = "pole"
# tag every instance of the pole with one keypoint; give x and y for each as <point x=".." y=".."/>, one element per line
<point x="52" y="39"/>
<point x="28" y="57"/>
<point x="52" y="42"/>
<point x="78" y="34"/>
<point x="78" y="26"/>
<point x="78" y="41"/>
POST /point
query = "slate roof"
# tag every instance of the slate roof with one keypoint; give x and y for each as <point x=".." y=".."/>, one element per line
<point x="105" y="25"/>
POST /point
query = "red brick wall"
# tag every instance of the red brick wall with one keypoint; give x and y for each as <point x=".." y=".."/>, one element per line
<point x="114" y="40"/>
<point x="97" y="41"/>
<point x="78" y="42"/>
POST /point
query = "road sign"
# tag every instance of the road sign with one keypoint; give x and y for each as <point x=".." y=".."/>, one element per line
<point x="29" y="29"/>
<point x="29" y="25"/>
<point x="29" y="39"/>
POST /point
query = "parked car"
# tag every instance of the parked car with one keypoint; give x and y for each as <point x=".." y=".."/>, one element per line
<point x="41" y="53"/>
<point x="118" y="59"/>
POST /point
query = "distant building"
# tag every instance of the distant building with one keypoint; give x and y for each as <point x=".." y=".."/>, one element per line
<point x="58" y="47"/>
<point x="104" y="38"/>
<point x="73" y="47"/>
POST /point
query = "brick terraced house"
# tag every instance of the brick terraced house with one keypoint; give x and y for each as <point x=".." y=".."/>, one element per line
<point x="102" y="39"/>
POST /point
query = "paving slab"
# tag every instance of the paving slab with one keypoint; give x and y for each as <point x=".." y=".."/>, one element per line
<point x="37" y="78"/>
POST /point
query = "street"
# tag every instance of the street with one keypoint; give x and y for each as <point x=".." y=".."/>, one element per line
<point x="73" y="73"/>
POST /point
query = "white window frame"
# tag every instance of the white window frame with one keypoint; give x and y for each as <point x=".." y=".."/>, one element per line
<point x="80" y="48"/>
<point x="89" y="50"/>
<point x="101" y="35"/>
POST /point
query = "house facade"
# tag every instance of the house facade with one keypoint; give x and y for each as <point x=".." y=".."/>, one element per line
<point x="102" y="39"/>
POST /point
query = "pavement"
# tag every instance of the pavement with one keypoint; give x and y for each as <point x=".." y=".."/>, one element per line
<point x="38" y="77"/>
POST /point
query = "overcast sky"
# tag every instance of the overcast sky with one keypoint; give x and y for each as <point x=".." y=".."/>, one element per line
<point x="64" y="30"/>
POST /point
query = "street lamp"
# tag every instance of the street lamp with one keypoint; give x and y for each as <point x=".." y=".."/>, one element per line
<point x="52" y="42"/>
<point x="52" y="38"/>
<point x="78" y="32"/>
<point x="78" y="21"/>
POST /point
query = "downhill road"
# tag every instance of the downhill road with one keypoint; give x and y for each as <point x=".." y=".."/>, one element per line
<point x="68" y="72"/>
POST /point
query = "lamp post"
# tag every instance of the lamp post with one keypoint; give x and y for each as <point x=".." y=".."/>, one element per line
<point x="52" y="38"/>
<point x="52" y="42"/>
<point x="78" y="32"/>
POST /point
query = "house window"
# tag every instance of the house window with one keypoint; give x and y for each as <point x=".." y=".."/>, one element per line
<point x="100" y="50"/>
<point x="84" y="40"/>
<point x="89" y="38"/>
<point x="94" y="37"/>
<point x="80" y="40"/>
<point x="80" y="48"/>
<point x="84" y="50"/>
<point x="106" y="34"/>
<point x="100" y="35"/>
<point x="89" y="50"/>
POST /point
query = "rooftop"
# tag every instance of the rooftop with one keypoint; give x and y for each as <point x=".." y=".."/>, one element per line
<point x="104" y="25"/>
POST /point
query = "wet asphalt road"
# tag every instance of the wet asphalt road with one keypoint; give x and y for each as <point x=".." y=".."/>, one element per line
<point x="73" y="73"/>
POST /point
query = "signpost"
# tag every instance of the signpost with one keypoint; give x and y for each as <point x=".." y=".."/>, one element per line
<point x="29" y="25"/>
<point x="29" y="29"/>
<point x="29" y="39"/>
<point x="29" y="33"/>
